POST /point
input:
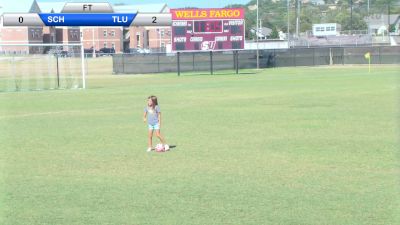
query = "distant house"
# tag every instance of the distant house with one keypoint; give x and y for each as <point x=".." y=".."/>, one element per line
<point x="378" y="23"/>
<point x="326" y="29"/>
<point x="263" y="33"/>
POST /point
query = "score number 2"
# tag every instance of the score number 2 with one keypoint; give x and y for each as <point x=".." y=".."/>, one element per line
<point x="154" y="19"/>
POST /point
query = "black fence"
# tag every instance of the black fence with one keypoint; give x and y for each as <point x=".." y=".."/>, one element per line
<point x="247" y="59"/>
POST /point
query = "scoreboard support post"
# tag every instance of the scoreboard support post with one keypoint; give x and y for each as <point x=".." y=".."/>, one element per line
<point x="236" y="61"/>
<point x="211" y="64"/>
<point x="178" y="61"/>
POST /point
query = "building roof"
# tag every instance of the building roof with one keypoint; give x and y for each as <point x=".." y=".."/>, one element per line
<point x="381" y="19"/>
<point x="36" y="6"/>
<point x="30" y="6"/>
<point x="159" y="8"/>
<point x="263" y="32"/>
<point x="9" y="6"/>
<point x="51" y="7"/>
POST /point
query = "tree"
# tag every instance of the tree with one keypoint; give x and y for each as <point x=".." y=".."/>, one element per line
<point x="274" y="33"/>
<point x="274" y="14"/>
<point x="357" y="22"/>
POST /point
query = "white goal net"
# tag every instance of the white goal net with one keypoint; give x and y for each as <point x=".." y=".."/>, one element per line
<point x="27" y="67"/>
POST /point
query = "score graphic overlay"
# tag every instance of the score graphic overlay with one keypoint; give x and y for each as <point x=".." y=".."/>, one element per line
<point x="87" y="14"/>
<point x="207" y="29"/>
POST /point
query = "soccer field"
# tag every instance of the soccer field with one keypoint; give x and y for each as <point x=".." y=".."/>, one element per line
<point x="278" y="146"/>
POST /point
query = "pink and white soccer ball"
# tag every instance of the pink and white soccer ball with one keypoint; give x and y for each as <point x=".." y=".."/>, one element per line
<point x="160" y="148"/>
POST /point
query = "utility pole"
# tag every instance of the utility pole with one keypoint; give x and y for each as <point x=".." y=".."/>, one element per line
<point x="93" y="44"/>
<point x="369" y="28"/>
<point x="351" y="16"/>
<point x="388" y="5"/>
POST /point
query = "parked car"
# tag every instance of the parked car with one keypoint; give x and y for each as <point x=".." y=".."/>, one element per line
<point x="89" y="52"/>
<point x="58" y="53"/>
<point x="137" y="51"/>
<point x="131" y="51"/>
<point x="107" y="51"/>
<point x="144" y="50"/>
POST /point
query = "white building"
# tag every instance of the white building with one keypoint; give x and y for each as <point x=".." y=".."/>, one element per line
<point x="326" y="29"/>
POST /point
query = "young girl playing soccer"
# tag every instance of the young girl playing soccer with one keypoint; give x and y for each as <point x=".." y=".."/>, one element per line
<point x="152" y="115"/>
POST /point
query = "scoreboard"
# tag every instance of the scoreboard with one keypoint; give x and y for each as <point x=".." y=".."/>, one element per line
<point x="87" y="14"/>
<point x="207" y="29"/>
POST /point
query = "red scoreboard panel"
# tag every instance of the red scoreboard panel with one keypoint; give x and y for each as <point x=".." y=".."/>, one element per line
<point x="207" y="29"/>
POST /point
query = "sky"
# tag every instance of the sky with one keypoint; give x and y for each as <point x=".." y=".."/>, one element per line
<point x="13" y="5"/>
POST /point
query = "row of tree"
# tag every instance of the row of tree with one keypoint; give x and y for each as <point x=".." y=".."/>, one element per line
<point x="349" y="14"/>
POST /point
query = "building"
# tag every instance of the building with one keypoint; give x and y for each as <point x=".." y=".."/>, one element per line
<point x="378" y="23"/>
<point x="127" y="39"/>
<point x="326" y="29"/>
<point x="19" y="35"/>
<point x="157" y="39"/>
<point x="37" y="34"/>
<point x="120" y="38"/>
<point x="57" y="35"/>
<point x="102" y="37"/>
<point x="60" y="35"/>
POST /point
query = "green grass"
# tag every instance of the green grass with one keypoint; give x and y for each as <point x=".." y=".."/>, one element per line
<point x="278" y="146"/>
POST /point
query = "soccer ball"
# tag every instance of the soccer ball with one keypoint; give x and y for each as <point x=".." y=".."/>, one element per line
<point x="160" y="148"/>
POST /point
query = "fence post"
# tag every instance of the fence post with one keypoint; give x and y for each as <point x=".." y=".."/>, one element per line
<point x="211" y="63"/>
<point x="58" y="72"/>
<point x="313" y="59"/>
<point x="158" y="62"/>
<point x="178" y="64"/>
<point x="123" y="62"/>
<point x="380" y="58"/>
<point x="343" y="56"/>
<point x="294" y="57"/>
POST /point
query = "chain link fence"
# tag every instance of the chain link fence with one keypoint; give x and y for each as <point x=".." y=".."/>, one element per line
<point x="246" y="59"/>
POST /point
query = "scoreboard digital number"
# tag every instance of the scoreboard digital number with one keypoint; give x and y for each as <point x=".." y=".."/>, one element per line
<point x="207" y="29"/>
<point x="213" y="26"/>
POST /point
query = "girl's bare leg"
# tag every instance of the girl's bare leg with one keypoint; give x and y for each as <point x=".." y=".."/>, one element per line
<point x="158" y="133"/>
<point x="150" y="140"/>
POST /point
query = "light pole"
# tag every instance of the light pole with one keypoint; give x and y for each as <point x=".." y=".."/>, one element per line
<point x="93" y="43"/>
<point x="160" y="31"/>
<point x="288" y="22"/>
<point x="298" y="19"/>
<point x="257" y="30"/>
